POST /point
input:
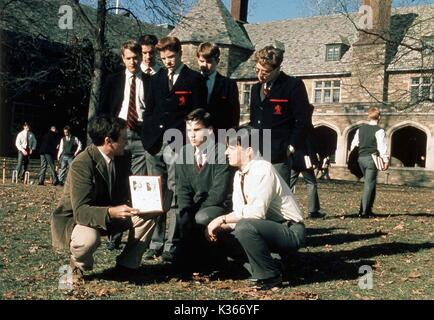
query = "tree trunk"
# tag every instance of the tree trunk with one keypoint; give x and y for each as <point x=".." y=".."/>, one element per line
<point x="98" y="59"/>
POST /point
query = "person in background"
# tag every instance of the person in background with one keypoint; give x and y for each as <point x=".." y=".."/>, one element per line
<point x="223" y="100"/>
<point x="26" y="145"/>
<point x="149" y="66"/>
<point x="371" y="139"/>
<point x="47" y="152"/>
<point x="70" y="146"/>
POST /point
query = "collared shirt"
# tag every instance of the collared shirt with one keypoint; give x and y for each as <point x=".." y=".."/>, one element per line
<point x="268" y="196"/>
<point x="77" y="142"/>
<point x="21" y="141"/>
<point x="200" y="154"/>
<point x="176" y="73"/>
<point x="154" y="69"/>
<point x="210" y="83"/>
<point x="110" y="164"/>
<point x="266" y="85"/>
<point x="380" y="137"/>
<point x="140" y="96"/>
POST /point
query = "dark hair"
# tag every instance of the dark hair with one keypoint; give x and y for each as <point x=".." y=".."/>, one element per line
<point x="67" y="128"/>
<point x="133" y="46"/>
<point x="148" y="40"/>
<point x="208" y="50"/>
<point x="200" y="115"/>
<point x="169" y="43"/>
<point x="104" y="126"/>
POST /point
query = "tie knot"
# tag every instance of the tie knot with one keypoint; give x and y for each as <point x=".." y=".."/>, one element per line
<point x="148" y="71"/>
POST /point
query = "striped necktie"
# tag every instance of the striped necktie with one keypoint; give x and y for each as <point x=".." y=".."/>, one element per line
<point x="132" y="117"/>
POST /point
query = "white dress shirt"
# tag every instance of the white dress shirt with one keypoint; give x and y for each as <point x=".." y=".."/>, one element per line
<point x="268" y="196"/>
<point x="140" y="96"/>
<point x="21" y="141"/>
<point x="380" y="137"/>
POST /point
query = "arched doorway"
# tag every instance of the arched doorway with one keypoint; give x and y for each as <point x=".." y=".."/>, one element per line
<point x="409" y="146"/>
<point x="327" y="140"/>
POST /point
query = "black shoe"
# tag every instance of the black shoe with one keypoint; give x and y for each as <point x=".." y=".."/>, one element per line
<point x="56" y="183"/>
<point x="167" y="257"/>
<point x="316" y="215"/>
<point x="40" y="184"/>
<point x="151" y="254"/>
<point x="366" y="215"/>
<point x="267" y="284"/>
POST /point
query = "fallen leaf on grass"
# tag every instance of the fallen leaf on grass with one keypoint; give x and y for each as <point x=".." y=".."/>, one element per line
<point x="414" y="275"/>
<point x="8" y="295"/>
<point x="399" y="227"/>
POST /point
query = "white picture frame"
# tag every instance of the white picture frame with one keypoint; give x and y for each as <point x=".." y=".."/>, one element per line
<point x="146" y="193"/>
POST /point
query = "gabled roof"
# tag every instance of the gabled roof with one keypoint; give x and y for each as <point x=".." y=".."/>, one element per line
<point x="40" y="19"/>
<point x="305" y="41"/>
<point x="411" y="26"/>
<point x="209" y="20"/>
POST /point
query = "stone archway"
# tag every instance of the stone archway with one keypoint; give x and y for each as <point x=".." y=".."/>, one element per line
<point x="409" y="146"/>
<point x="327" y="141"/>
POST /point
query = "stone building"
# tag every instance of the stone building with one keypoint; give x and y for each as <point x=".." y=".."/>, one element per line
<point x="387" y="64"/>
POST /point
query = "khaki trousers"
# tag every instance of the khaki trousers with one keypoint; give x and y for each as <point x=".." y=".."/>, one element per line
<point x="85" y="240"/>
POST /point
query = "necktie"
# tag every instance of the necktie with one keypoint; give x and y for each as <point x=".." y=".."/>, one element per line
<point x="112" y="177"/>
<point x="132" y="111"/>
<point x="242" y="187"/>
<point x="170" y="81"/>
<point x="199" y="160"/>
<point x="148" y="71"/>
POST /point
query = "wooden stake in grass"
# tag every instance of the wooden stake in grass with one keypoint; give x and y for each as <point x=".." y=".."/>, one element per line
<point x="4" y="170"/>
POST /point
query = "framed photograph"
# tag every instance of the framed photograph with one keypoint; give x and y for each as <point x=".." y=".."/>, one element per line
<point x="146" y="193"/>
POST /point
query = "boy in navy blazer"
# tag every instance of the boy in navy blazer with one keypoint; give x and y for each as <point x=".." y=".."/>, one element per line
<point x="175" y="91"/>
<point x="223" y="101"/>
<point x="279" y="102"/>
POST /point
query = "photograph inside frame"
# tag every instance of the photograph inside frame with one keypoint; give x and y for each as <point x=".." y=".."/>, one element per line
<point x="146" y="193"/>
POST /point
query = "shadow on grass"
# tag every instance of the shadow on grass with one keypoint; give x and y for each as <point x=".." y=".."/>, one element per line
<point x="147" y="274"/>
<point x="340" y="238"/>
<point x="310" y="267"/>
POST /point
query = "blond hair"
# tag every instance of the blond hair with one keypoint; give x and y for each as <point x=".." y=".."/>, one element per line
<point x="373" y="113"/>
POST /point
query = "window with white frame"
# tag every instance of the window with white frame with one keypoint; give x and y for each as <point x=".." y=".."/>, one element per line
<point x="421" y="88"/>
<point x="245" y="98"/>
<point x="333" y="52"/>
<point x="328" y="91"/>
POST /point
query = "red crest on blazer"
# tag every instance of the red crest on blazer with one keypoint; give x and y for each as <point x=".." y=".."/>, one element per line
<point x="278" y="110"/>
<point x="182" y="98"/>
<point x="182" y="101"/>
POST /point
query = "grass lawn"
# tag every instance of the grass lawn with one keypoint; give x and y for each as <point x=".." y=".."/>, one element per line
<point x="398" y="245"/>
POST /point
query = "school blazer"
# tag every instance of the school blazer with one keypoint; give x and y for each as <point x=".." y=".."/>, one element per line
<point x="112" y="93"/>
<point x="285" y="111"/>
<point x="167" y="109"/>
<point x="224" y="104"/>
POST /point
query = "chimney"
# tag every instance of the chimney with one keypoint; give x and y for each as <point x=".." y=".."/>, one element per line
<point x="381" y="14"/>
<point x="239" y="10"/>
